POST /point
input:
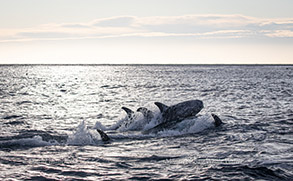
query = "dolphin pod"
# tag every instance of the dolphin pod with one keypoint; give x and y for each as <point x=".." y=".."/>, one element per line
<point x="171" y="115"/>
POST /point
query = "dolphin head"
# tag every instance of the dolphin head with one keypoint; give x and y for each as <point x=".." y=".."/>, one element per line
<point x="200" y="104"/>
<point x="196" y="107"/>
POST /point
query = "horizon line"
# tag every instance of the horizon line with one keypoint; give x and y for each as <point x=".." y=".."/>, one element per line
<point x="142" y="64"/>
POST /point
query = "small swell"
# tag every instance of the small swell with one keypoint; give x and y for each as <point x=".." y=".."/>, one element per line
<point x="31" y="138"/>
<point x="11" y="117"/>
<point x="156" y="158"/>
<point x="24" y="102"/>
<point x="15" y="122"/>
<point x="36" y="141"/>
<point x="260" y="172"/>
<point x="38" y="178"/>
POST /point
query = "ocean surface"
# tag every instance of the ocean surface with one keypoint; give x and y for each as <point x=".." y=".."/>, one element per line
<point x="49" y="116"/>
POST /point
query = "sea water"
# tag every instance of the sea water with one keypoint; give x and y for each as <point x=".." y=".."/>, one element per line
<point x="49" y="115"/>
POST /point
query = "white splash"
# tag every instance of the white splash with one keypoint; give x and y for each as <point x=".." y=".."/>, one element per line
<point x="83" y="136"/>
<point x="139" y="123"/>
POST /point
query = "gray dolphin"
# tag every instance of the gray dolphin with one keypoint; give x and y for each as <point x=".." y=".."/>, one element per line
<point x="180" y="111"/>
<point x="171" y="115"/>
<point x="131" y="117"/>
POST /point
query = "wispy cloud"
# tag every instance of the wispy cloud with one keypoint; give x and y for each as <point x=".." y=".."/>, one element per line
<point x="121" y="21"/>
<point x="199" y="26"/>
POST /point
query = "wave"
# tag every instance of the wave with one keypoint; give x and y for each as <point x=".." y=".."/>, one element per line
<point x="14" y="122"/>
<point x="134" y="129"/>
<point x="31" y="138"/>
<point x="36" y="141"/>
<point x="250" y="173"/>
<point x="123" y="129"/>
<point x="11" y="117"/>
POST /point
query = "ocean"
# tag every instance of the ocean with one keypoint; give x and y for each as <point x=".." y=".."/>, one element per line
<point x="49" y="115"/>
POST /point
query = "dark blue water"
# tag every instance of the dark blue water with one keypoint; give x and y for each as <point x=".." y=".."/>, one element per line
<point x="48" y="116"/>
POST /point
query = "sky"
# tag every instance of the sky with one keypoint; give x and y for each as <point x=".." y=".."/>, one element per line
<point x="146" y="31"/>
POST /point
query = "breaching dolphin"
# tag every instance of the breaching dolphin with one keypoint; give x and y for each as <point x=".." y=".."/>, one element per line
<point x="180" y="111"/>
<point x="131" y="116"/>
<point x="171" y="115"/>
<point x="146" y="113"/>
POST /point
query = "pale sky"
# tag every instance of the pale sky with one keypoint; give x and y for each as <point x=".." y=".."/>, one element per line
<point x="146" y="31"/>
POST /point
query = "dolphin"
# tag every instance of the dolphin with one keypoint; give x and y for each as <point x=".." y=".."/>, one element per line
<point x="171" y="115"/>
<point x="146" y="113"/>
<point x="131" y="117"/>
<point x="180" y="111"/>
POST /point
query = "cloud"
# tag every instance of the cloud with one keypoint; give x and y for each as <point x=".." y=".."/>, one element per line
<point x="122" y="21"/>
<point x="280" y="34"/>
<point x="75" y="26"/>
<point x="44" y="34"/>
<point x="208" y="26"/>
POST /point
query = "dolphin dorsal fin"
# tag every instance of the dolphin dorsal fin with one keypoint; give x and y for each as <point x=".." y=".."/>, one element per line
<point x="103" y="135"/>
<point x="161" y="106"/>
<point x="218" y="121"/>
<point x="128" y="111"/>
